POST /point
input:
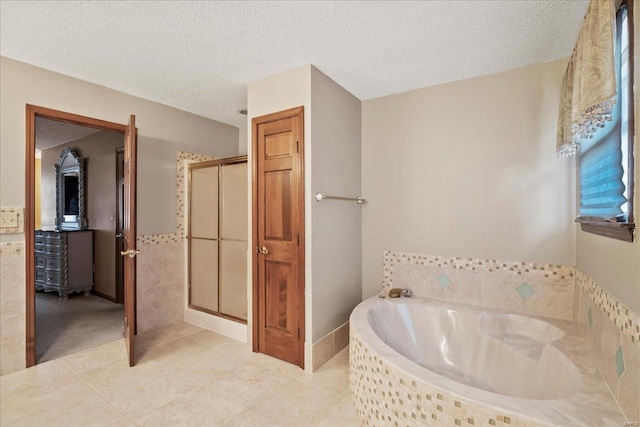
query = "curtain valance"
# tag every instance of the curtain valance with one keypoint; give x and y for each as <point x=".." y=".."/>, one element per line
<point x="589" y="86"/>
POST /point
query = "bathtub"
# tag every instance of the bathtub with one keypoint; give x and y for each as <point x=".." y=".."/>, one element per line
<point x="426" y="362"/>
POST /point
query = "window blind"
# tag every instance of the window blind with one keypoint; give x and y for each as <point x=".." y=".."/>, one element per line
<point x="602" y="189"/>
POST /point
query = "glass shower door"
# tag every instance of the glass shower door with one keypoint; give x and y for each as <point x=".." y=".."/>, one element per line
<point x="203" y="239"/>
<point x="233" y="240"/>
<point x="218" y="237"/>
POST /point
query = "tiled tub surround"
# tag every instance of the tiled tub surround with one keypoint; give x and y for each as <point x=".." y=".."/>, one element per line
<point x="390" y="389"/>
<point x="611" y="332"/>
<point x="537" y="289"/>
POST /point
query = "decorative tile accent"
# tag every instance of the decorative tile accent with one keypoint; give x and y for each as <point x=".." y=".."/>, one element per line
<point x="444" y="281"/>
<point x="157" y="239"/>
<point x="525" y="290"/>
<point x="11" y="220"/>
<point x="626" y="320"/>
<point x="11" y="248"/>
<point x="590" y="318"/>
<point x="620" y="362"/>
<point x="181" y="156"/>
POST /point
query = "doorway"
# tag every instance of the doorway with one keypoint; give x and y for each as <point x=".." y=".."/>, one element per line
<point x="76" y="233"/>
<point x="278" y="235"/>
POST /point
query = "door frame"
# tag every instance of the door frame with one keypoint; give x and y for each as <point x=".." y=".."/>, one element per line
<point x="33" y="111"/>
<point x="255" y="122"/>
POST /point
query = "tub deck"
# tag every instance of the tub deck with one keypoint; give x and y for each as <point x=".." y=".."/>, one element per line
<point x="388" y="387"/>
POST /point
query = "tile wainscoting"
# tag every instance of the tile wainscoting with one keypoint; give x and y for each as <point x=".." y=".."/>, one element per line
<point x="610" y="330"/>
<point x="328" y="346"/>
<point x="537" y="289"/>
<point x="160" y="282"/>
<point x="12" y="307"/>
<point x="611" y="333"/>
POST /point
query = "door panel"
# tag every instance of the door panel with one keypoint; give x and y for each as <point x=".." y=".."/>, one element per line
<point x="204" y="203"/>
<point x="233" y="278"/>
<point x="278" y="224"/>
<point x="204" y="274"/>
<point x="279" y="281"/>
<point x="279" y="235"/>
<point x="130" y="159"/>
<point x="233" y="202"/>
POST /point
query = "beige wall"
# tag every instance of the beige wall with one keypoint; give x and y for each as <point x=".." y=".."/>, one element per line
<point x="336" y="252"/>
<point x="613" y="264"/>
<point x="162" y="131"/>
<point x="243" y="143"/>
<point x="468" y="169"/>
<point x="100" y="151"/>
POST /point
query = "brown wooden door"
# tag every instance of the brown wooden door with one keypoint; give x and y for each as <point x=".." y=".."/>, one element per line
<point x="130" y="150"/>
<point x="279" y="235"/>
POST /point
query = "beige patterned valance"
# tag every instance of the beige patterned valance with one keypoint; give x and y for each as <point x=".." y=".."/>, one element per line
<point x="589" y="85"/>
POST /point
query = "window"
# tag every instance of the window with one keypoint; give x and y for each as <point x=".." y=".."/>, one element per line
<point x="606" y="160"/>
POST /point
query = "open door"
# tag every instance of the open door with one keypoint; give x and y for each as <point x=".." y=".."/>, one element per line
<point x="130" y="252"/>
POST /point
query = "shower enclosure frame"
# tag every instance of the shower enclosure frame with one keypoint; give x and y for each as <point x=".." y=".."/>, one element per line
<point x="201" y="165"/>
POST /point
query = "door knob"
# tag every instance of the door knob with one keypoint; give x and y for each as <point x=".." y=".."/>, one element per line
<point x="119" y="235"/>
<point x="263" y="250"/>
<point x="131" y="253"/>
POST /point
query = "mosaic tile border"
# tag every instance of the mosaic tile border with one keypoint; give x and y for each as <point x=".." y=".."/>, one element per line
<point x="11" y="248"/>
<point x="180" y="158"/>
<point x="383" y="397"/>
<point x="391" y="259"/>
<point x="626" y="320"/>
<point x="157" y="239"/>
<point x="19" y="212"/>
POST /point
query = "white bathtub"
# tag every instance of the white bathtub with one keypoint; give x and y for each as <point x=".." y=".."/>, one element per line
<point x="418" y="361"/>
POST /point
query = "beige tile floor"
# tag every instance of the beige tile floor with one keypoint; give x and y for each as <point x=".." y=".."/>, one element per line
<point x="184" y="376"/>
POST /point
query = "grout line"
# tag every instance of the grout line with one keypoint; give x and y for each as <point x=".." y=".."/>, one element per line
<point x="100" y="394"/>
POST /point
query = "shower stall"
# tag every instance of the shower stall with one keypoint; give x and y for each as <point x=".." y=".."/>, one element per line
<point x="217" y="234"/>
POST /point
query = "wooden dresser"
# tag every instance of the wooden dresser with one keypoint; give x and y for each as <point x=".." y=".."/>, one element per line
<point x="64" y="261"/>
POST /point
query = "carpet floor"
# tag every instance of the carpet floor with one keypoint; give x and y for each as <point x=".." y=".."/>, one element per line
<point x="67" y="326"/>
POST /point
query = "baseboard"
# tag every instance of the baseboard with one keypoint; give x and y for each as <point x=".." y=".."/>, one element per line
<point x="220" y="325"/>
<point x="105" y="296"/>
<point x="328" y="346"/>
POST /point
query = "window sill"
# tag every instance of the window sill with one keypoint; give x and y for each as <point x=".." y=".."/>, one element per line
<point x="615" y="230"/>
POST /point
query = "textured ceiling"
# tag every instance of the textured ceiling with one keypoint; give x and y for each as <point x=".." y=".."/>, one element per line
<point x="51" y="133"/>
<point x="200" y="56"/>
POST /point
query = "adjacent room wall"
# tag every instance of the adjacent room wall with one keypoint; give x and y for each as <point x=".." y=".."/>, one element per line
<point x="100" y="151"/>
<point x="337" y="225"/>
<point x="468" y="169"/>
<point x="243" y="142"/>
<point x="162" y="131"/>
<point x="38" y="190"/>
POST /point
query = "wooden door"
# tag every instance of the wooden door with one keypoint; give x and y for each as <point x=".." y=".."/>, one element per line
<point x="129" y="254"/>
<point x="278" y="214"/>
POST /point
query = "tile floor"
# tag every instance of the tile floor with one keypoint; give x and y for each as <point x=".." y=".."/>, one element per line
<point x="184" y="376"/>
<point x="67" y="326"/>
